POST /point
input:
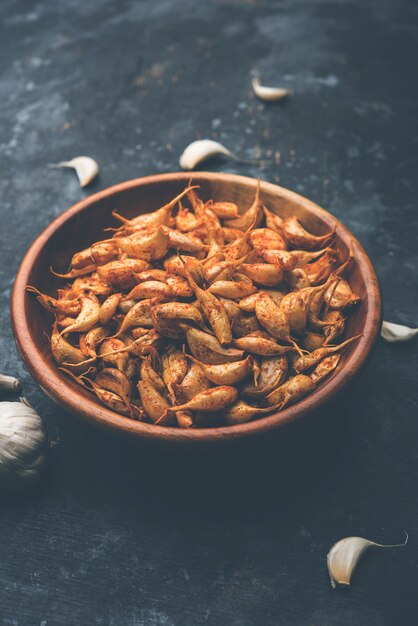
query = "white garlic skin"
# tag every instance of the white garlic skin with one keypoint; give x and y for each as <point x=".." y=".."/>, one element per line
<point x="201" y="150"/>
<point x="344" y="555"/>
<point x="343" y="558"/>
<point x="397" y="333"/>
<point x="9" y="383"/>
<point x="269" y="94"/>
<point x="85" y="167"/>
<point x="23" y="444"/>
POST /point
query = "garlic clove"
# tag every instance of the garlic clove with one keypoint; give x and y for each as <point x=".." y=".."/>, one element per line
<point x="199" y="151"/>
<point x="397" y="333"/>
<point x="344" y="555"/>
<point x="85" y="167"/>
<point x="269" y="94"/>
<point x="9" y="383"/>
<point x="22" y="445"/>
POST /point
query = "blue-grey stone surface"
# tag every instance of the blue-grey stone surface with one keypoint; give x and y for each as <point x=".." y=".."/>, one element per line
<point x="125" y="536"/>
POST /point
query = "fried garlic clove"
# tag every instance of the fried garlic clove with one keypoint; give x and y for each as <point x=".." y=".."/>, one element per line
<point x="138" y="315"/>
<point x="315" y="307"/>
<point x="298" y="237"/>
<point x="178" y="310"/>
<point x="213" y="310"/>
<point x="97" y="254"/>
<point x="291" y="259"/>
<point x="174" y="366"/>
<point x="228" y="373"/>
<point x="273" y="221"/>
<point x="111" y="399"/>
<point x="222" y="270"/>
<point x="88" y="316"/>
<point x="62" y="306"/>
<point x="154" y="404"/>
<point x="149" y="247"/>
<point x="267" y="239"/>
<point x="186" y="242"/>
<point x="233" y="289"/>
<point x="293" y="390"/>
<point x="245" y="324"/>
<point x="261" y="344"/>
<point x="335" y="326"/>
<point x="325" y="368"/>
<point x="91" y="339"/>
<point x="225" y="210"/>
<point x="294" y="306"/>
<point x="152" y="274"/>
<point x="75" y="273"/>
<point x="171" y="329"/>
<point x="320" y="270"/>
<point x="63" y="352"/>
<point x="179" y="286"/>
<point x="340" y="295"/>
<point x="272" y="318"/>
<point x="151" y="371"/>
<point x="248" y="303"/>
<point x="207" y="348"/>
<point x="213" y="399"/>
<point x="151" y="289"/>
<point x="312" y="341"/>
<point x="232" y="309"/>
<point x="186" y="220"/>
<point x="273" y="372"/>
<point x="81" y="259"/>
<point x="159" y="217"/>
<point x="184" y="419"/>
<point x="252" y="217"/>
<point x="109" y="307"/>
<point x="298" y="279"/>
<point x="306" y="362"/>
<point x="193" y="383"/>
<point x="179" y="266"/>
<point x="264" y="274"/>
<point x="112" y="352"/>
<point x="104" y="251"/>
<point x="143" y="344"/>
<point x="242" y="412"/>
<point x="114" y="380"/>
<point x="121" y="274"/>
<point x="231" y="234"/>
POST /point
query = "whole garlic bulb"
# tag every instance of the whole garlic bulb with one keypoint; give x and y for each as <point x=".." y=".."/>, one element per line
<point x="22" y="445"/>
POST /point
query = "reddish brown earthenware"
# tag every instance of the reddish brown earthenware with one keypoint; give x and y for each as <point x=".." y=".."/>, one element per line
<point x="83" y="224"/>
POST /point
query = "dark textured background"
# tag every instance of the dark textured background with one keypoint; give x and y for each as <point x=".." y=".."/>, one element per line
<point x="123" y="536"/>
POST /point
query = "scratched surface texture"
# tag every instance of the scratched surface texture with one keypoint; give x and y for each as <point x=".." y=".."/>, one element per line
<point x="122" y="536"/>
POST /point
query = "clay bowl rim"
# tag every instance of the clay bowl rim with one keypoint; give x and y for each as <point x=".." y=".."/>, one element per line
<point x="65" y="392"/>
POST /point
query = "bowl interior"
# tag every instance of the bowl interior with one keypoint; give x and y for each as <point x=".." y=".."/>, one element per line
<point x="84" y="224"/>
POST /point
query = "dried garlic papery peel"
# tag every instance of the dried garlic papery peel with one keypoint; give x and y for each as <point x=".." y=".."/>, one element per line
<point x="85" y="167"/>
<point x="23" y="444"/>
<point x="199" y="151"/>
<point x="270" y="94"/>
<point x="397" y="333"/>
<point x="346" y="553"/>
<point x="9" y="383"/>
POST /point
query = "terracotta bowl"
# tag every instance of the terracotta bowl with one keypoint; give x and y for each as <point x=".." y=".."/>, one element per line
<point x="83" y="224"/>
